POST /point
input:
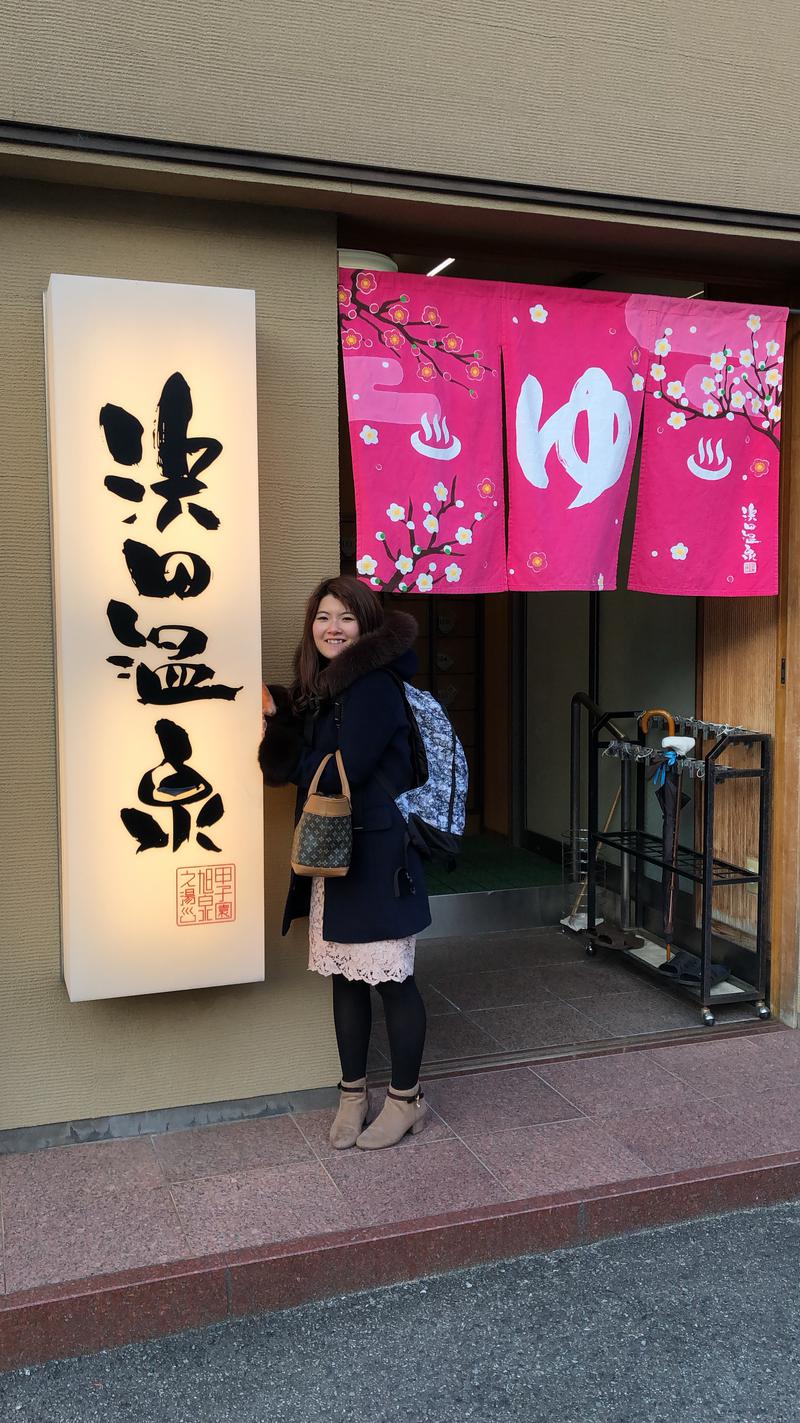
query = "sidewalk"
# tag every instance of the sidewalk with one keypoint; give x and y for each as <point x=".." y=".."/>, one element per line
<point x="129" y="1239"/>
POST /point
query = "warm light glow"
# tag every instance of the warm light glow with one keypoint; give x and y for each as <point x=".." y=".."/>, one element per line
<point x="152" y="919"/>
<point x="448" y="262"/>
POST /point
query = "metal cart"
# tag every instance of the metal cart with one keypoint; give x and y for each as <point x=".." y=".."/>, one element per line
<point x="638" y="847"/>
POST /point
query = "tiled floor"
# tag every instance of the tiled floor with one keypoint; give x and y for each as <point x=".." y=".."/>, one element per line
<point x="492" y="1137"/>
<point x="524" y="992"/>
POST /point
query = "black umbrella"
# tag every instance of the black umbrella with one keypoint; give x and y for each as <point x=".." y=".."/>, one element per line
<point x="667" y="781"/>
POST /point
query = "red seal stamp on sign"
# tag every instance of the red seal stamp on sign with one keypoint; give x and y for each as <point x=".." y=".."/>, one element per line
<point x="205" y="894"/>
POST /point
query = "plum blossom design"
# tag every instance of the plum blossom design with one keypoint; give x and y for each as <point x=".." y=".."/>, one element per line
<point x="679" y="552"/>
<point x="437" y="349"/>
<point x="368" y="434"/>
<point x="351" y="340"/>
<point x="412" y="551"/>
<point x="537" y="562"/>
<point x="394" y="339"/>
<point x="746" y="386"/>
<point x="637" y="381"/>
<point x="539" y="314"/>
<point x="486" y="488"/>
<point x="759" y="467"/>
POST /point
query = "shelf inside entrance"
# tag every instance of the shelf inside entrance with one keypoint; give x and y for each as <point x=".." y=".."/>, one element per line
<point x="688" y="863"/>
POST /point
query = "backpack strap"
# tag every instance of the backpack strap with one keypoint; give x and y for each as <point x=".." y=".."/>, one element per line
<point x="452" y="805"/>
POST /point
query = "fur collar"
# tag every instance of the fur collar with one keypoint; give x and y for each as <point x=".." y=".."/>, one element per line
<point x="371" y="652"/>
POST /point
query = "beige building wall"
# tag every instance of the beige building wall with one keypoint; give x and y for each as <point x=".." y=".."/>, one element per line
<point x="669" y="101"/>
<point x="60" y="1061"/>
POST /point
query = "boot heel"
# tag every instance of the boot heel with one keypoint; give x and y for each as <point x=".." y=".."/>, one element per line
<point x="419" y="1123"/>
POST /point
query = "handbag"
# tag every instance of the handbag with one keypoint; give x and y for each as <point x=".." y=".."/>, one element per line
<point x="323" y="837"/>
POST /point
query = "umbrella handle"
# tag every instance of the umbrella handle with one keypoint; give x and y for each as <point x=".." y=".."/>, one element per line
<point x="648" y="716"/>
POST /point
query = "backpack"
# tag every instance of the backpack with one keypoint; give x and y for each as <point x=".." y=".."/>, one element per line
<point x="435" y="809"/>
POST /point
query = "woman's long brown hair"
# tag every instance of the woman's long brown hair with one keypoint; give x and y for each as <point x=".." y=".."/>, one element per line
<point x="308" y="688"/>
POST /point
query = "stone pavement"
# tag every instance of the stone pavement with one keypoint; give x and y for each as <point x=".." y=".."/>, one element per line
<point x="687" y="1324"/>
<point x="118" y="1240"/>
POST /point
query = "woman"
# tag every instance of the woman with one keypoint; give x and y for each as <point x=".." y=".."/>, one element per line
<point x="363" y="926"/>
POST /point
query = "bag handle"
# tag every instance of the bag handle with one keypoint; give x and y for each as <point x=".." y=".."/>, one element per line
<point x="345" y="784"/>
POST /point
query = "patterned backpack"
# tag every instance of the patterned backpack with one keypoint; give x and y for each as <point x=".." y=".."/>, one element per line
<point x="435" y="809"/>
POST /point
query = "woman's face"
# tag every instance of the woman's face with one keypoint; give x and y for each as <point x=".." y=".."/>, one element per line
<point x="334" y="628"/>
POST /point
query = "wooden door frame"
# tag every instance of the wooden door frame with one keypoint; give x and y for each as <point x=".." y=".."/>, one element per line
<point x="785" y="888"/>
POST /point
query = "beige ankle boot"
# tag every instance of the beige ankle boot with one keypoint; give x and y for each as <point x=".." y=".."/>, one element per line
<point x="402" y="1112"/>
<point x="352" y="1114"/>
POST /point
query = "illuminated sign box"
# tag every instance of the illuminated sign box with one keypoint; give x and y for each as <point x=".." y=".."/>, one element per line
<point x="154" y="486"/>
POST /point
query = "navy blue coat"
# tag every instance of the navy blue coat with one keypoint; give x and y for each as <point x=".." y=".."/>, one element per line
<point x="365" y="716"/>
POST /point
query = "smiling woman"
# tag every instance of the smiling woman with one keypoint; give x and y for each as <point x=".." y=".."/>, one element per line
<point x="363" y="925"/>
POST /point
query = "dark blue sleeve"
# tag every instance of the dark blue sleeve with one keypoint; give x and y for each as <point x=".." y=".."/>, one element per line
<point x="373" y="711"/>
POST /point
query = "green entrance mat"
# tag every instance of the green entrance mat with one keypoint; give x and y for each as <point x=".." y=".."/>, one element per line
<point x="487" y="862"/>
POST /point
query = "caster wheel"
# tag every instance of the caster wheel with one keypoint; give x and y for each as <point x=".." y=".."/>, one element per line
<point x="591" y="950"/>
<point x="708" y="1018"/>
<point x="764" y="1012"/>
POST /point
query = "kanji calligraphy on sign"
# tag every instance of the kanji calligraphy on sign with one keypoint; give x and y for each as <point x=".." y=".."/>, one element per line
<point x="154" y="483"/>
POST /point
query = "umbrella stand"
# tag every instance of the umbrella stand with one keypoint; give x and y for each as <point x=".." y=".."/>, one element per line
<point x="668" y="782"/>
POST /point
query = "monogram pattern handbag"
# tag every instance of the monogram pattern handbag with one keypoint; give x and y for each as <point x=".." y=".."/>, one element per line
<point x="323" y="837"/>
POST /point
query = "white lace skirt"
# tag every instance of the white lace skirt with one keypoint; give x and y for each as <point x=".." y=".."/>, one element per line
<point x="372" y="963"/>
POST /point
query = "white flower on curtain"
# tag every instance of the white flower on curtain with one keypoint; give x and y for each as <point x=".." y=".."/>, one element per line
<point x="745" y="387"/>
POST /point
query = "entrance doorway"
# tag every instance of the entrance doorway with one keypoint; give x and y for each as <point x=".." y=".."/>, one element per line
<point x="500" y="976"/>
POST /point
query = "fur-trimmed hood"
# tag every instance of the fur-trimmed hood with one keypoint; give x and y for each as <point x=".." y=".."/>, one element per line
<point x="375" y="650"/>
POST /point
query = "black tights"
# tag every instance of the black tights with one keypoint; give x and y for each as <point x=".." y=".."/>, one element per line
<point x="405" y="1025"/>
